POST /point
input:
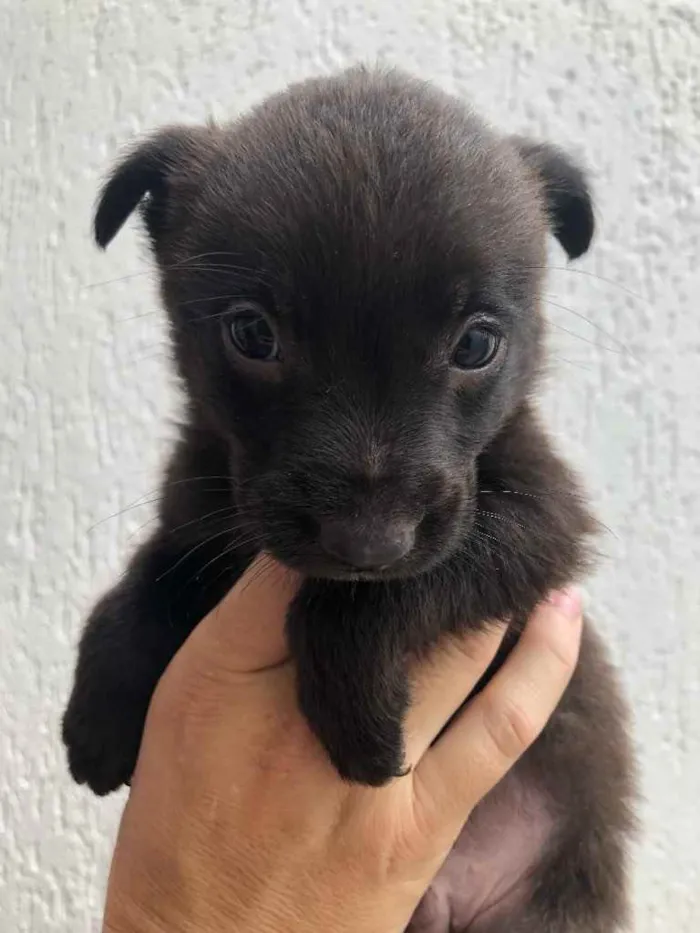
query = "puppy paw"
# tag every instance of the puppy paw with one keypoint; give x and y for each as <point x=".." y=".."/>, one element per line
<point x="352" y="682"/>
<point x="374" y="764"/>
<point x="122" y="653"/>
<point x="102" y="737"/>
<point x="362" y="733"/>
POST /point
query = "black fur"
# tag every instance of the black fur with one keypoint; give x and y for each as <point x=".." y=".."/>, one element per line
<point x="372" y="216"/>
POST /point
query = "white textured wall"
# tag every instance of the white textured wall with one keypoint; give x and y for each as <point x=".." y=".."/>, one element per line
<point x="84" y="394"/>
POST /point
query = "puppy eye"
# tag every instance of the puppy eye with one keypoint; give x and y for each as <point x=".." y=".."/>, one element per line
<point x="476" y="348"/>
<point x="251" y="332"/>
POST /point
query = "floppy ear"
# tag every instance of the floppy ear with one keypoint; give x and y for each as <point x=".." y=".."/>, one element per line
<point x="146" y="172"/>
<point x="566" y="193"/>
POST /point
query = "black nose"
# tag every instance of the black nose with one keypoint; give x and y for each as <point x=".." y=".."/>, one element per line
<point x="366" y="549"/>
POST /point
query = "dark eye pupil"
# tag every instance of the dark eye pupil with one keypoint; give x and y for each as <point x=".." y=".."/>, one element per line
<point x="252" y="336"/>
<point x="476" y="348"/>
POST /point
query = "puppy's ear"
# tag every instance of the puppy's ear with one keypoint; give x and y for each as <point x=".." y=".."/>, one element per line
<point x="148" y="171"/>
<point x="566" y="192"/>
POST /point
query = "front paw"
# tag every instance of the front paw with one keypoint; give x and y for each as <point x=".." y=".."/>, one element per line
<point x="130" y="638"/>
<point x="351" y="676"/>
<point x="103" y="723"/>
<point x="374" y="763"/>
<point x="102" y="735"/>
<point x="364" y="747"/>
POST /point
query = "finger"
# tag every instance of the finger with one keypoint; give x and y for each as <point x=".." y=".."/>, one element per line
<point x="246" y="630"/>
<point x="443" y="681"/>
<point x="501" y="722"/>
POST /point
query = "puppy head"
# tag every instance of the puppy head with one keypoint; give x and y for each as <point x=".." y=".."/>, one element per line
<point x="352" y="278"/>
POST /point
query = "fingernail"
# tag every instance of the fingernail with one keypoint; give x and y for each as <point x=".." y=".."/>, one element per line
<point x="567" y="600"/>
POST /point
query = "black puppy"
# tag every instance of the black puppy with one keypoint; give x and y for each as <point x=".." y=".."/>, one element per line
<point x="352" y="277"/>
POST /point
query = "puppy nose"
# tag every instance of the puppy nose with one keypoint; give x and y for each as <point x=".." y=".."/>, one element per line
<point x="367" y="549"/>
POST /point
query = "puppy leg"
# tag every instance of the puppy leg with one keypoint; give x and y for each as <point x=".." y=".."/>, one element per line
<point x="130" y="637"/>
<point x="353" y="687"/>
<point x="547" y="850"/>
<point x="568" y="894"/>
<point x="517" y="868"/>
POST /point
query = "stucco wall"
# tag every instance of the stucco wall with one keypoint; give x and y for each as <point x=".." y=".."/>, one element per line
<point x="85" y="397"/>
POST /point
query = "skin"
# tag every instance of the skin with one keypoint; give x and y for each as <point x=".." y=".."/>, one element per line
<point x="236" y="820"/>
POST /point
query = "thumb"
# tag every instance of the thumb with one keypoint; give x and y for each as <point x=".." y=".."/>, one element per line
<point x="246" y="630"/>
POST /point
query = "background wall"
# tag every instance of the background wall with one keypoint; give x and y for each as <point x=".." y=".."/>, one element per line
<point x="85" y="397"/>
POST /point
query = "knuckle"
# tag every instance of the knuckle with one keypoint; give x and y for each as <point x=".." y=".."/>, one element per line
<point x="510" y="728"/>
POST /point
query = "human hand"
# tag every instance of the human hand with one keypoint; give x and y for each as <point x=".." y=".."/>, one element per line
<point x="237" y="821"/>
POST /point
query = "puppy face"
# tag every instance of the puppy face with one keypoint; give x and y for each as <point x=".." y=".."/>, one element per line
<point x="352" y="276"/>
